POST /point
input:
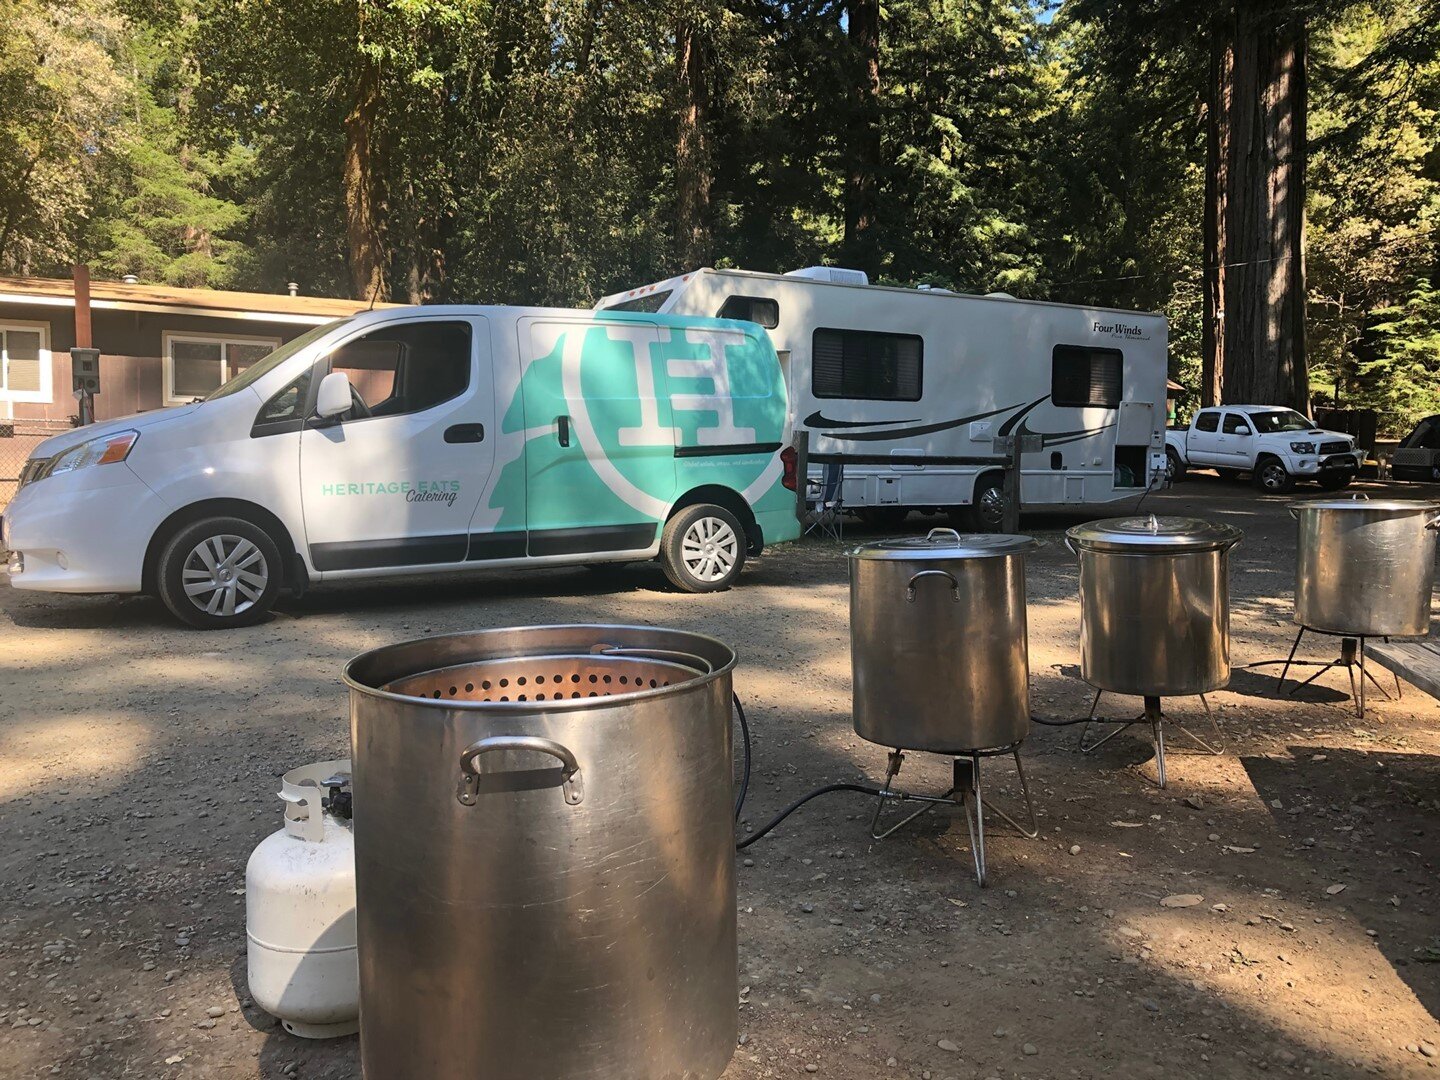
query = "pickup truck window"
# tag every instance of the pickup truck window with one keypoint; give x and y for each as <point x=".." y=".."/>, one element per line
<point x="1235" y="424"/>
<point x="1085" y="378"/>
<point x="1207" y="421"/>
<point x="1268" y="423"/>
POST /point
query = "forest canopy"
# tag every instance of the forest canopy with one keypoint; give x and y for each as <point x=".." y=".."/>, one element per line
<point x="548" y="153"/>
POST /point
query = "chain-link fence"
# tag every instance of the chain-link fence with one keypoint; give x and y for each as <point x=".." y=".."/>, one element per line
<point x="17" y="439"/>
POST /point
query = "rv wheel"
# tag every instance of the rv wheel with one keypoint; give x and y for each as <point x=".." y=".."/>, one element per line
<point x="702" y="548"/>
<point x="987" y="510"/>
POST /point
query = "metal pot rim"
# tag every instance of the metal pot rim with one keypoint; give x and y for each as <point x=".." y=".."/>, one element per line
<point x="352" y="679"/>
<point x="945" y="544"/>
<point x="1152" y="535"/>
<point x="1423" y="506"/>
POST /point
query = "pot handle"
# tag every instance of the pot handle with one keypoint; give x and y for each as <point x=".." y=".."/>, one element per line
<point x="470" y="765"/>
<point x="1071" y="545"/>
<point x="954" y="585"/>
<point x="1433" y="523"/>
<point x="937" y="531"/>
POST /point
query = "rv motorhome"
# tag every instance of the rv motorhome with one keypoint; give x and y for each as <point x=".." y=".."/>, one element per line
<point x="906" y="388"/>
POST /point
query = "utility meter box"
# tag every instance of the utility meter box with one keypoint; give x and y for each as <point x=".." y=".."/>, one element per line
<point x="85" y="370"/>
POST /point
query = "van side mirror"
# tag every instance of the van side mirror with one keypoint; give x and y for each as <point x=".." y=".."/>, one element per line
<point x="334" y="395"/>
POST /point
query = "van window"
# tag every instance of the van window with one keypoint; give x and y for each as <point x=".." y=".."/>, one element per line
<point x="1233" y="423"/>
<point x="1085" y="378"/>
<point x="756" y="309"/>
<point x="407" y="368"/>
<point x="285" y="411"/>
<point x="865" y="365"/>
<point x="1207" y="421"/>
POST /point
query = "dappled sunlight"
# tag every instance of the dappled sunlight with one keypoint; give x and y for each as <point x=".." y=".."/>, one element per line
<point x="89" y="750"/>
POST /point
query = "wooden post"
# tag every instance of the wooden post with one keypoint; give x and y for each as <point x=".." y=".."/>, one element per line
<point x="802" y="469"/>
<point x="82" y="306"/>
<point x="1012" y="486"/>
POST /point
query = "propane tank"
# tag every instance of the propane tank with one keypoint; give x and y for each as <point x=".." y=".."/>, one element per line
<point x="300" y="908"/>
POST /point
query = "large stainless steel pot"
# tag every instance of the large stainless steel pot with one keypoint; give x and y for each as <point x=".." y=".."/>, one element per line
<point x="544" y="855"/>
<point x="1365" y="567"/>
<point x="1154" y="604"/>
<point x="937" y="641"/>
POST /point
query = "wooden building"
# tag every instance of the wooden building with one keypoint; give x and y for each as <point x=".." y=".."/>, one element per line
<point x="159" y="345"/>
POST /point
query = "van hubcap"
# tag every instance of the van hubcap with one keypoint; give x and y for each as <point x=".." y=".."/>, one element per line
<point x="225" y="575"/>
<point x="709" y="549"/>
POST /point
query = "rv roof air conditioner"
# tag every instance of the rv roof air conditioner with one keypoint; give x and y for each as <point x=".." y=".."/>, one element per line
<point x="836" y="275"/>
<point x="999" y="296"/>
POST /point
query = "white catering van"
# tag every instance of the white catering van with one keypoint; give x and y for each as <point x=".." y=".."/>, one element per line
<point x="906" y="390"/>
<point x="424" y="440"/>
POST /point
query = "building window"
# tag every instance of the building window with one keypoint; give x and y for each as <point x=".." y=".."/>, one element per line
<point x="756" y="309"/>
<point x="865" y="365"/>
<point x="1085" y="378"/>
<point x="25" y="373"/>
<point x="196" y="364"/>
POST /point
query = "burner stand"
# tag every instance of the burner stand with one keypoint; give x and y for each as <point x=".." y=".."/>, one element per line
<point x="1154" y="716"/>
<point x="1352" y="656"/>
<point x="964" y="791"/>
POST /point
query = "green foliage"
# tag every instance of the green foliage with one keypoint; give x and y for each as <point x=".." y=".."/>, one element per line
<point x="495" y="152"/>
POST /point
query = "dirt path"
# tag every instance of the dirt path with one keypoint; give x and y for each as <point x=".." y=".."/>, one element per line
<point x="139" y="761"/>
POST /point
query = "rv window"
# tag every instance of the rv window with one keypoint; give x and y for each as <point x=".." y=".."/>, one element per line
<point x="651" y="302"/>
<point x="1207" y="421"/>
<point x="865" y="365"/>
<point x="756" y="309"/>
<point x="1084" y="378"/>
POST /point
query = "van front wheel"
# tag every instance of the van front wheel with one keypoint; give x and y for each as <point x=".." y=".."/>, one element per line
<point x="219" y="572"/>
<point x="702" y="549"/>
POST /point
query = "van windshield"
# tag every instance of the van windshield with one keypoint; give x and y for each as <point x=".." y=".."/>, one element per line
<point x="271" y="361"/>
<point x="1268" y="423"/>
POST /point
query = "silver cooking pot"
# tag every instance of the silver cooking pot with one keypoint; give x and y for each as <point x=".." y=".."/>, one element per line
<point x="1365" y="567"/>
<point x="1154" y="604"/>
<point x="937" y="641"/>
<point x="544" y="855"/>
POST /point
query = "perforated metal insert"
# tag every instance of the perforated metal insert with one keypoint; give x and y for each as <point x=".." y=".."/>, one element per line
<point x="543" y="678"/>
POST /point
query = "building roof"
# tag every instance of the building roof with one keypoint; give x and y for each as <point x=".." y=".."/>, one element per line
<point x="169" y="299"/>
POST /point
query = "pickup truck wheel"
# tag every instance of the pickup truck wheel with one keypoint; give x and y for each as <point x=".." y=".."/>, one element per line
<point x="1174" y="466"/>
<point x="702" y="549"/>
<point x="218" y="573"/>
<point x="1272" y="477"/>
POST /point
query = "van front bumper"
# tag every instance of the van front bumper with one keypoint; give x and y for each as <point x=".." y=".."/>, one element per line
<point x="72" y="534"/>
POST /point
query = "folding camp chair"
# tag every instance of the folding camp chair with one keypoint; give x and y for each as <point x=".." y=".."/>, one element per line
<point x="824" y="502"/>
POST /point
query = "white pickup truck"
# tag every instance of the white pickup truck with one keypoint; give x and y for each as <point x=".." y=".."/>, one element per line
<point x="1276" y="446"/>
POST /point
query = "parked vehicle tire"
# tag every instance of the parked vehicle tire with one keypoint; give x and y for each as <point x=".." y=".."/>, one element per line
<point x="987" y="509"/>
<point x="1174" y="466"/>
<point x="883" y="517"/>
<point x="702" y="549"/>
<point x="1272" y="477"/>
<point x="218" y="573"/>
<point x="1335" y="482"/>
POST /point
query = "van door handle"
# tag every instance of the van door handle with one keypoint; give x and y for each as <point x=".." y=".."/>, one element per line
<point x="461" y="433"/>
<point x="562" y="429"/>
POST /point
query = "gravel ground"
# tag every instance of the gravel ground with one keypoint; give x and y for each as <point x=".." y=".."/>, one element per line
<point x="1274" y="910"/>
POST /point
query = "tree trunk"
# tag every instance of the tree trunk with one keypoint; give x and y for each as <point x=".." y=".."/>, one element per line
<point x="362" y="209"/>
<point x="692" y="156"/>
<point x="1255" y="260"/>
<point x="863" y="150"/>
<point x="1217" y="141"/>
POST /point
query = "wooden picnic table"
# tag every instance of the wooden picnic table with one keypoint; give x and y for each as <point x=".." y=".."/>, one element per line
<point x="1417" y="662"/>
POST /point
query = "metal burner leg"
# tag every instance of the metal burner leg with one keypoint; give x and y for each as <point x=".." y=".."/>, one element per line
<point x="1360" y="699"/>
<point x="1094" y="704"/>
<point x="974" y="822"/>
<point x="1280" y="682"/>
<point x="1034" y="830"/>
<point x="1323" y="669"/>
<point x="1157" y="728"/>
<point x="897" y="758"/>
<point x="1219" y="748"/>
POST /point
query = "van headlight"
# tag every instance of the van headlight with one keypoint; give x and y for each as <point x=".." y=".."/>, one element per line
<point x="106" y="450"/>
<point x="1302" y="448"/>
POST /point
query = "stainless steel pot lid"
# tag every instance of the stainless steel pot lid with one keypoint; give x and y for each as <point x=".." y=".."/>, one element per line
<point x="946" y="544"/>
<point x="1153" y="534"/>
<point x="1360" y="501"/>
